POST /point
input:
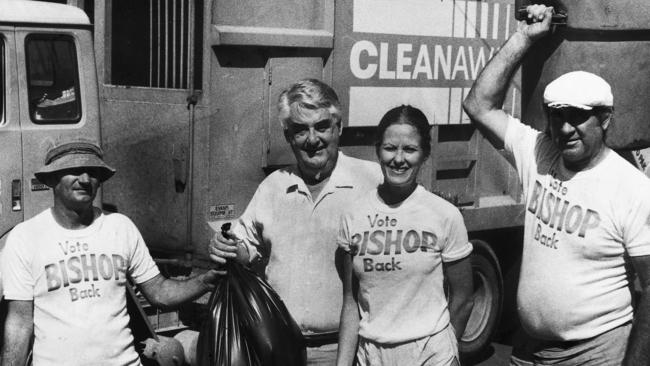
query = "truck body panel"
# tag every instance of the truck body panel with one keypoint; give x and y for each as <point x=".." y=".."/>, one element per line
<point x="252" y="52"/>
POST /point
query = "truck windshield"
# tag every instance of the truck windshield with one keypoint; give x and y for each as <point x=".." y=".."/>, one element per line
<point x="53" y="80"/>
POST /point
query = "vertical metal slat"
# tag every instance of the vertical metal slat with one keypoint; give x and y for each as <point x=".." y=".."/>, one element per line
<point x="177" y="73"/>
<point x="166" y="48"/>
<point x="150" y="43"/>
<point x="190" y="46"/>
<point x="173" y="51"/>
<point x="158" y="52"/>
<point x="182" y="46"/>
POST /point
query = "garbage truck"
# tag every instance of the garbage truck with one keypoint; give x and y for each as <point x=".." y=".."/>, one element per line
<point x="181" y="94"/>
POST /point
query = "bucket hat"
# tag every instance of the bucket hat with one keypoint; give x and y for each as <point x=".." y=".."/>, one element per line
<point x="76" y="154"/>
<point x="579" y="89"/>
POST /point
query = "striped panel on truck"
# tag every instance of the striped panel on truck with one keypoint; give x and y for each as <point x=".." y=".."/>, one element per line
<point x="421" y="52"/>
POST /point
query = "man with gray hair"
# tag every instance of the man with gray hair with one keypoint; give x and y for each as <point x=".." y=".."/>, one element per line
<point x="587" y="217"/>
<point x="291" y="223"/>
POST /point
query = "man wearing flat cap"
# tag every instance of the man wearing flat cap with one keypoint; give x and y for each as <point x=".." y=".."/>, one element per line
<point x="64" y="271"/>
<point x="587" y="215"/>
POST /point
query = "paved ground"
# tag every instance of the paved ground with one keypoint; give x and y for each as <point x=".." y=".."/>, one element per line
<point x="498" y="355"/>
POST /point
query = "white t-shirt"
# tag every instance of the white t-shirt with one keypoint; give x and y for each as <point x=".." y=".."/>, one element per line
<point x="574" y="283"/>
<point x="76" y="280"/>
<point x="397" y="258"/>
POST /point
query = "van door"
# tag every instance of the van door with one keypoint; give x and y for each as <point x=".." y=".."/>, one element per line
<point x="58" y="99"/>
<point x="11" y="199"/>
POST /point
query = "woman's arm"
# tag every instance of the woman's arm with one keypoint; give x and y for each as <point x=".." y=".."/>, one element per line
<point x="349" y="327"/>
<point x="461" y="288"/>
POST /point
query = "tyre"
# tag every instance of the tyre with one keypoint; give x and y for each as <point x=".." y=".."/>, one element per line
<point x="488" y="299"/>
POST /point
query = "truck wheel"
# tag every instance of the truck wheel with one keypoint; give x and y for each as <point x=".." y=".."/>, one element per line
<point x="488" y="298"/>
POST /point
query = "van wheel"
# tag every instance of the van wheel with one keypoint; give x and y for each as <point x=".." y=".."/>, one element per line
<point x="488" y="298"/>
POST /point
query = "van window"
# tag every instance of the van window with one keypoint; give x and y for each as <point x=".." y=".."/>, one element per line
<point x="52" y="79"/>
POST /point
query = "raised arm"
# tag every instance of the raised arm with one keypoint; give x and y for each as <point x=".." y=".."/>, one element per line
<point x="18" y="329"/>
<point x="485" y="100"/>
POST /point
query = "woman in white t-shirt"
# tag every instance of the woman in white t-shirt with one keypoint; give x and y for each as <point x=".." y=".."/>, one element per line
<point x="400" y="243"/>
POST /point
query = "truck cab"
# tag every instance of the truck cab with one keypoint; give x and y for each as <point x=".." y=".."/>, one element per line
<point x="48" y="93"/>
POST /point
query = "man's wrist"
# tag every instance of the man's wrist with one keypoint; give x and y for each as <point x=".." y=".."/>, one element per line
<point x="203" y="280"/>
<point x="524" y="40"/>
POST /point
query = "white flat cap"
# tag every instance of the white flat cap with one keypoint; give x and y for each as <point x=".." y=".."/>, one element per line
<point x="579" y="89"/>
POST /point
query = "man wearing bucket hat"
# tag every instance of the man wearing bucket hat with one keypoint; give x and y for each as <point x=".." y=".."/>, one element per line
<point x="587" y="215"/>
<point x="64" y="271"/>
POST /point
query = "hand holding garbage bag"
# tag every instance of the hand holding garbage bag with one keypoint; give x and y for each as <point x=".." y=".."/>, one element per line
<point x="248" y="324"/>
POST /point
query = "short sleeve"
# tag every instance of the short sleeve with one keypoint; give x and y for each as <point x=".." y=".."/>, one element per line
<point x="17" y="278"/>
<point x="636" y="233"/>
<point x="520" y="142"/>
<point x="343" y="235"/>
<point x="142" y="267"/>
<point x="457" y="245"/>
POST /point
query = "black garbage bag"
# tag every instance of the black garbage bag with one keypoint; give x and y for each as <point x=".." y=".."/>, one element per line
<point x="249" y="325"/>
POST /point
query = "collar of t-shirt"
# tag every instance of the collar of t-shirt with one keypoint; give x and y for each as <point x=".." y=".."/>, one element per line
<point x="341" y="177"/>
<point x="566" y="173"/>
<point x="79" y="233"/>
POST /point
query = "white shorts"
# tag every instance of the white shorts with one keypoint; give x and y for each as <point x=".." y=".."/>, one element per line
<point x="440" y="349"/>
